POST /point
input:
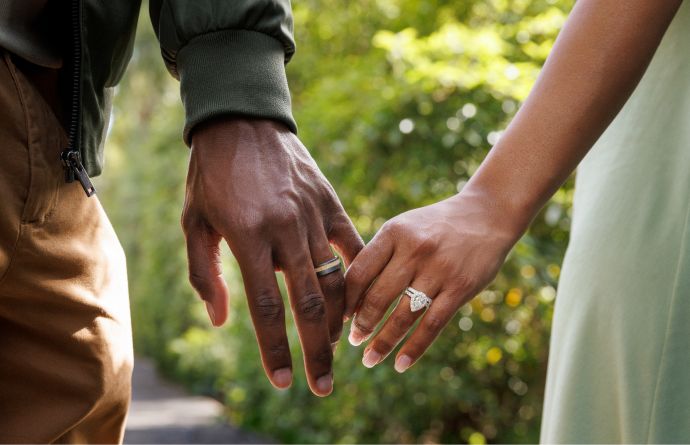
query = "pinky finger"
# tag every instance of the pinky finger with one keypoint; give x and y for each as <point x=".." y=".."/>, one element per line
<point x="442" y="309"/>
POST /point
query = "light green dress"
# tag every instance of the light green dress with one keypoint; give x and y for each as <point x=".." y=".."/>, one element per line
<point x="619" y="364"/>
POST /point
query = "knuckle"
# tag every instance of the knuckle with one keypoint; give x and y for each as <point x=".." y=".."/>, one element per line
<point x="267" y="219"/>
<point x="311" y="307"/>
<point x="279" y="352"/>
<point x="382" y="345"/>
<point x="335" y="332"/>
<point x="184" y="222"/>
<point x="434" y="324"/>
<point x="362" y="325"/>
<point x="288" y="219"/>
<point x="426" y="282"/>
<point x="287" y="214"/>
<point x="252" y="223"/>
<point x="187" y="221"/>
<point x="374" y="304"/>
<point x="333" y="285"/>
<point x="401" y="324"/>
<point x="466" y="283"/>
<point x="269" y="308"/>
<point x="294" y="260"/>
<point x="200" y="283"/>
<point x="323" y="357"/>
<point x="251" y="227"/>
<point x="393" y="227"/>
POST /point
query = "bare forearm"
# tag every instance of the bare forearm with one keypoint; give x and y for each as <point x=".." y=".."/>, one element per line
<point x="596" y="63"/>
<point x="452" y="249"/>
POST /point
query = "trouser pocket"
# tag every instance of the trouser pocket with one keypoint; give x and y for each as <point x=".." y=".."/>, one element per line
<point x="15" y="176"/>
<point x="45" y="138"/>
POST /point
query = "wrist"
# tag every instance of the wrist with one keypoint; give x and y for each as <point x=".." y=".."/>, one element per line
<point x="508" y="216"/>
<point x="236" y="132"/>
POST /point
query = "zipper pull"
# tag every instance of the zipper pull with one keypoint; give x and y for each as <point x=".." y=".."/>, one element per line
<point x="74" y="169"/>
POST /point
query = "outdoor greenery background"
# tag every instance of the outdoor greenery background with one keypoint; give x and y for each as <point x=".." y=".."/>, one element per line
<point x="398" y="101"/>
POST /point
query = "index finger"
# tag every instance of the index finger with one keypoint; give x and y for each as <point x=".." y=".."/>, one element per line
<point x="364" y="269"/>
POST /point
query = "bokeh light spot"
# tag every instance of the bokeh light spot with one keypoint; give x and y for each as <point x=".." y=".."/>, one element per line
<point x="514" y="297"/>
<point x="494" y="355"/>
<point x="547" y="294"/>
<point x="406" y="126"/>
<point x="476" y="438"/>
<point x="465" y="324"/>
<point x="488" y="315"/>
<point x="469" y="110"/>
<point x="554" y="270"/>
<point x="528" y="271"/>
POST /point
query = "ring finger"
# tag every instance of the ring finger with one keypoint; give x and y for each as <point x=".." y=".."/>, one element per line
<point x="397" y="325"/>
<point x="332" y="284"/>
<point x="309" y="310"/>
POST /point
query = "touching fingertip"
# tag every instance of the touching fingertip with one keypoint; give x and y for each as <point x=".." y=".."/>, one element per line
<point x="356" y="338"/>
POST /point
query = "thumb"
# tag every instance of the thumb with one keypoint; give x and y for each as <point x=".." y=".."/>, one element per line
<point x="205" y="271"/>
<point x="365" y="269"/>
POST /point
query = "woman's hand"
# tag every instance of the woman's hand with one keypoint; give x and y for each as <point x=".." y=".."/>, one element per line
<point x="452" y="249"/>
<point x="449" y="250"/>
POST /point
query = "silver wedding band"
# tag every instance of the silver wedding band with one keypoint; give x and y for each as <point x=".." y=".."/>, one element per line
<point x="328" y="267"/>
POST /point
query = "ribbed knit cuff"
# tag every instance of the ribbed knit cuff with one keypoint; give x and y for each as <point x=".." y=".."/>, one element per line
<point x="240" y="73"/>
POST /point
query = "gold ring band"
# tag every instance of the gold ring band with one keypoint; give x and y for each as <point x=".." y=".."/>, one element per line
<point x="327" y="267"/>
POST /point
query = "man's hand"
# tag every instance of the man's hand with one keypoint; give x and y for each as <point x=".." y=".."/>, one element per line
<point x="253" y="183"/>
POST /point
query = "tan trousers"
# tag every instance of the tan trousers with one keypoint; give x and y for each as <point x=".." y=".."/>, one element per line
<point x="65" y="336"/>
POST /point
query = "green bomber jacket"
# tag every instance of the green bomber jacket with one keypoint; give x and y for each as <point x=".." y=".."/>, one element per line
<point x="229" y="56"/>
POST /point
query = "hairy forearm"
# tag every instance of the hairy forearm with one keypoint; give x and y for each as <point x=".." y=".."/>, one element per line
<point x="596" y="63"/>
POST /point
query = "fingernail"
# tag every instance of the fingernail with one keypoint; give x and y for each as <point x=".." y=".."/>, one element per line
<point x="356" y="337"/>
<point x="371" y="358"/>
<point x="402" y="363"/>
<point x="282" y="377"/>
<point x="325" y="384"/>
<point x="211" y="313"/>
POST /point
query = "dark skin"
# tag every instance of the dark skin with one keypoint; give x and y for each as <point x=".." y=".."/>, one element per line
<point x="452" y="249"/>
<point x="253" y="184"/>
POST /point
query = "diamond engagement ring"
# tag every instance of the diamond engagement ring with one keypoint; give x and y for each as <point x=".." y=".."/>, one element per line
<point x="418" y="299"/>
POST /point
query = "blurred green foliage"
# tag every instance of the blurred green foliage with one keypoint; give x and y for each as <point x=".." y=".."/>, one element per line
<point x="398" y="101"/>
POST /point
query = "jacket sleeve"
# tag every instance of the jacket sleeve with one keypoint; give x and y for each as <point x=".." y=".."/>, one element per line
<point x="229" y="56"/>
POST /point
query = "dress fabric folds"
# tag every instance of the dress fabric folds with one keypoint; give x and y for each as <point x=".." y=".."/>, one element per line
<point x="619" y="362"/>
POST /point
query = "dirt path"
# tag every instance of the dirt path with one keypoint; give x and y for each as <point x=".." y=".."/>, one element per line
<point x="162" y="412"/>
